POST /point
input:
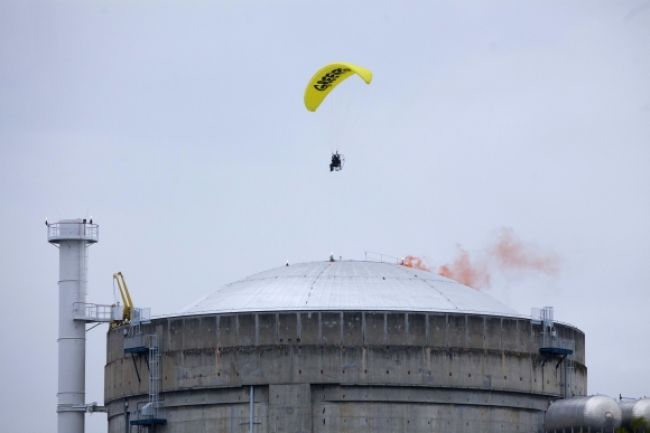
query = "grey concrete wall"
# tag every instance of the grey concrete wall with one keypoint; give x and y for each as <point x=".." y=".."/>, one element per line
<point x="421" y="371"/>
<point x="423" y="410"/>
<point x="290" y="408"/>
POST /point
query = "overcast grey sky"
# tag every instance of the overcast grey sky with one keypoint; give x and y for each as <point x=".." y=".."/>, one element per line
<point x="179" y="126"/>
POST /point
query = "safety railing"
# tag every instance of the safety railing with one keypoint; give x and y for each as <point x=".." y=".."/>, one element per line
<point x="96" y="312"/>
<point x="148" y="414"/>
<point x="380" y="257"/>
<point x="140" y="316"/>
<point x="73" y="231"/>
<point x="550" y="341"/>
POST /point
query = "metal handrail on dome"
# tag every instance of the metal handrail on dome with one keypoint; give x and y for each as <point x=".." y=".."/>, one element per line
<point x="368" y="255"/>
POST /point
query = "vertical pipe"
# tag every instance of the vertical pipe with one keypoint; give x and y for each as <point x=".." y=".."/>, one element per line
<point x="72" y="337"/>
<point x="566" y="379"/>
<point x="250" y="408"/>
<point x="72" y="238"/>
<point x="126" y="416"/>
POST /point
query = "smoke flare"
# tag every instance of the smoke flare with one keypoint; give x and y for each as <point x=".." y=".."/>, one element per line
<point x="415" y="263"/>
<point x="462" y="269"/>
<point x="511" y="254"/>
<point x="507" y="254"/>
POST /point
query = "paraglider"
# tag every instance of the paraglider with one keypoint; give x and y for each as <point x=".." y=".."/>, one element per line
<point x="323" y="82"/>
<point x="327" y="78"/>
<point x="337" y="162"/>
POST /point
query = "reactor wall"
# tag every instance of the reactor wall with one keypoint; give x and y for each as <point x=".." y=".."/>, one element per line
<point x="344" y="371"/>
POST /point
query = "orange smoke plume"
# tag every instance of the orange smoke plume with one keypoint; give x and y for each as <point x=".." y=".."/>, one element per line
<point x="415" y="263"/>
<point x="511" y="254"/>
<point x="464" y="271"/>
<point x="507" y="254"/>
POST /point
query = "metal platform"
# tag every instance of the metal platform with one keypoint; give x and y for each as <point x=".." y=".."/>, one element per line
<point x="73" y="229"/>
<point x="135" y="344"/>
<point x="555" y="351"/>
<point x="148" y="421"/>
<point x="553" y="346"/>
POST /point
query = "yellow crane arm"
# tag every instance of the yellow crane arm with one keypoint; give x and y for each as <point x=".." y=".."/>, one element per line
<point x="126" y="296"/>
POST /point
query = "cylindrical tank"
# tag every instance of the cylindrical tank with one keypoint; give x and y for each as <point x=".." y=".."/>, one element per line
<point x="343" y="347"/>
<point x="636" y="413"/>
<point x="596" y="414"/>
<point x="72" y="237"/>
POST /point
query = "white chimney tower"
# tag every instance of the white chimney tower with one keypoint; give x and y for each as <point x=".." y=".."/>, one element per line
<point x="72" y="237"/>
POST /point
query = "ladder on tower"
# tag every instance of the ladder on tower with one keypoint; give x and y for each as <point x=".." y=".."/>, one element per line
<point x="150" y="414"/>
<point x="154" y="374"/>
<point x="553" y="347"/>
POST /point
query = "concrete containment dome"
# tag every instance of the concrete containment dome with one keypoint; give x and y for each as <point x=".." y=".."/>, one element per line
<point x="348" y="285"/>
<point x="341" y="347"/>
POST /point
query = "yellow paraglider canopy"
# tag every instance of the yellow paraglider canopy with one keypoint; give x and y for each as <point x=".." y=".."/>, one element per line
<point x="327" y="78"/>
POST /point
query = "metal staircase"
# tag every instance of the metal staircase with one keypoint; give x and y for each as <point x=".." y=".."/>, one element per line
<point x="137" y="343"/>
<point x="151" y="414"/>
<point x="553" y="347"/>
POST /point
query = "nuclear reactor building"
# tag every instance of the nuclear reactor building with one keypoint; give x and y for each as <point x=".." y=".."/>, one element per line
<point x="341" y="346"/>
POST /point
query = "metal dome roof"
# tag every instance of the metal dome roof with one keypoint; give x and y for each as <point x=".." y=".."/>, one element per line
<point x="348" y="285"/>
